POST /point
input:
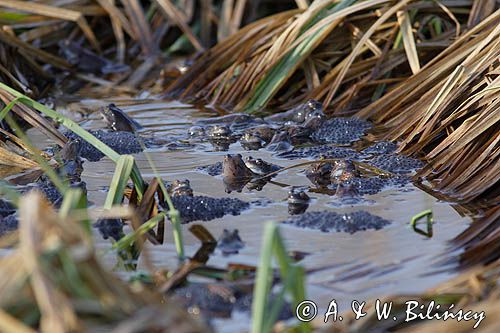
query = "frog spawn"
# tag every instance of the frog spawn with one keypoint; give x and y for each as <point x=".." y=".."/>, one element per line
<point x="121" y="142"/>
<point x="341" y="130"/>
<point x="328" y="221"/>
<point x="221" y="299"/>
<point x="203" y="208"/>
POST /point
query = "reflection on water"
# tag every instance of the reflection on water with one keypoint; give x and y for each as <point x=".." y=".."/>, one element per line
<point x="345" y="267"/>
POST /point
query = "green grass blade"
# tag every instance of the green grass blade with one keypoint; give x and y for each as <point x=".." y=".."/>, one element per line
<point x="75" y="198"/>
<point x="49" y="171"/>
<point x="278" y="75"/>
<point x="174" y="214"/>
<point x="292" y="275"/>
<point x="7" y="191"/>
<point x="263" y="279"/>
<point x="123" y="171"/>
<point x="75" y="128"/>
<point x="126" y="242"/>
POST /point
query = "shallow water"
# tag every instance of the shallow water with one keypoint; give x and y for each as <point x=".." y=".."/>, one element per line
<point x="361" y="266"/>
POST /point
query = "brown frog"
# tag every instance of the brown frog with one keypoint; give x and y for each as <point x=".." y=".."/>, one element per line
<point x="342" y="171"/>
<point x="117" y="120"/>
<point x="230" y="242"/>
<point x="235" y="169"/>
<point x="298" y="114"/>
<point x="180" y="187"/>
<point x="250" y="141"/>
<point x="71" y="150"/>
<point x="298" y="133"/>
<point x="319" y="173"/>
<point x="265" y="132"/>
<point x="257" y="137"/>
<point x="219" y="132"/>
<point x="297" y="196"/>
<point x="298" y="201"/>
<point x="348" y="194"/>
<point x="259" y="166"/>
<point x="281" y="142"/>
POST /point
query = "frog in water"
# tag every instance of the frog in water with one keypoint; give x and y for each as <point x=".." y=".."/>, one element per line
<point x="319" y="173"/>
<point x="230" y="242"/>
<point x="180" y="187"/>
<point x="250" y="141"/>
<point x="298" y="201"/>
<point x="220" y="137"/>
<point x="117" y="120"/>
<point x="298" y="197"/>
<point x="347" y="193"/>
<point x="280" y="143"/>
<point x="259" y="166"/>
<point x="257" y="137"/>
<point x="234" y="169"/>
<point x="343" y="170"/>
<point x="298" y="114"/>
<point x="236" y="173"/>
<point x="72" y="164"/>
<point x="71" y="150"/>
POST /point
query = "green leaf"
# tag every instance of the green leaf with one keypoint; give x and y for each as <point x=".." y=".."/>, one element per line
<point x="278" y="75"/>
<point x="123" y="171"/>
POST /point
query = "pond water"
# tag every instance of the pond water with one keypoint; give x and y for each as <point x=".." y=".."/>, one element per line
<point x="361" y="266"/>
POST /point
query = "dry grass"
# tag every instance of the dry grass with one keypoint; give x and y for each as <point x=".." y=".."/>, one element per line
<point x="53" y="282"/>
<point x="140" y="34"/>
<point x="448" y="114"/>
<point x="345" y="55"/>
<point x="427" y="72"/>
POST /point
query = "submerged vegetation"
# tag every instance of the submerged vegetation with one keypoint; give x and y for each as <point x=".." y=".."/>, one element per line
<point x="425" y="73"/>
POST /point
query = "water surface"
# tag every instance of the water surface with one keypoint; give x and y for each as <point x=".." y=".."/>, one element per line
<point x="364" y="265"/>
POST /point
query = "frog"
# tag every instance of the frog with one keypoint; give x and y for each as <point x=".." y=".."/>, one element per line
<point x="280" y="143"/>
<point x="298" y="134"/>
<point x="265" y="132"/>
<point x="234" y="169"/>
<point x="259" y="166"/>
<point x="343" y="170"/>
<point x="298" y="114"/>
<point x="117" y="120"/>
<point x="230" y="242"/>
<point x="72" y="165"/>
<point x="297" y="197"/>
<point x="347" y="193"/>
<point x="87" y="61"/>
<point x="250" y="141"/>
<point x="319" y="173"/>
<point x="218" y="132"/>
<point x="180" y="187"/>
<point x="71" y="150"/>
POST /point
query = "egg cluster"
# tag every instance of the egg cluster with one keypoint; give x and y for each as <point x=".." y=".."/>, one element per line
<point x="328" y="221"/>
<point x="202" y="208"/>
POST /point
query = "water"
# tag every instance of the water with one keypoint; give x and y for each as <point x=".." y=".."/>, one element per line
<point x="361" y="266"/>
